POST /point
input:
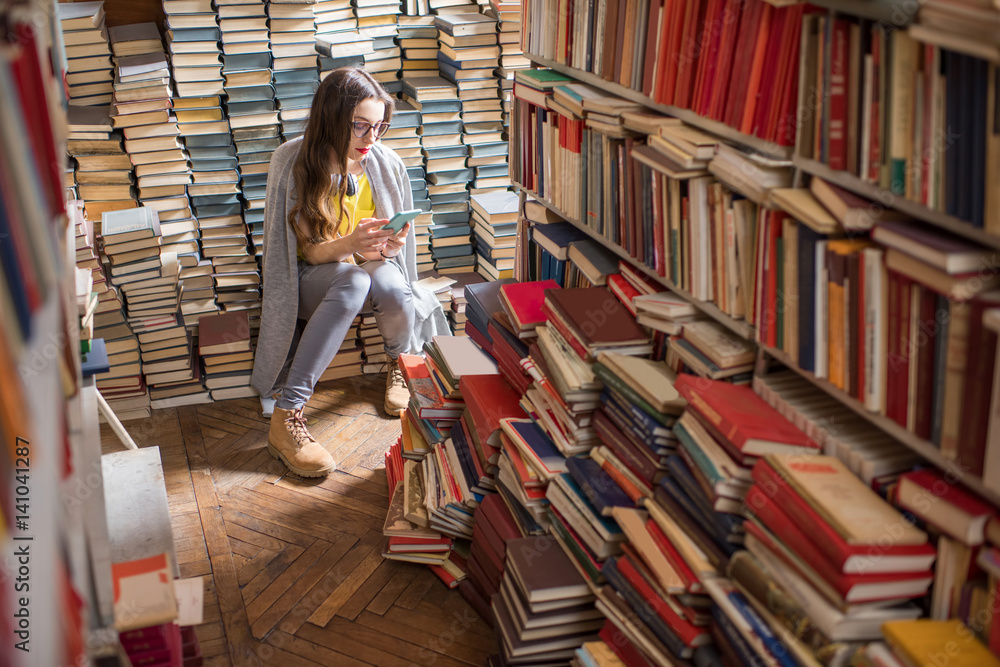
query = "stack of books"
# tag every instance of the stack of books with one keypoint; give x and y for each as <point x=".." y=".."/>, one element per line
<point x="494" y="528"/>
<point x="664" y="312"/>
<point x="469" y="56"/>
<point x="403" y="137"/>
<point x="334" y="16"/>
<point x="340" y="47"/>
<point x="104" y="318"/>
<point x="89" y="72"/>
<point x="508" y="15"/>
<point x="227" y="354"/>
<point x="545" y="610"/>
<point x="529" y="461"/>
<point x="430" y="415"/>
<point x="252" y="113"/>
<point x="192" y="38"/>
<point x="494" y="219"/>
<point x="406" y="526"/>
<point x="143" y="92"/>
<point x="710" y="350"/>
<point x="377" y="20"/>
<point x="419" y="43"/>
<point x="372" y="344"/>
<point x="103" y="173"/>
<point x="347" y="362"/>
<point x="483" y="299"/>
<point x="552" y="240"/>
<point x="197" y="292"/>
<point x="829" y="569"/>
<point x="295" y="72"/>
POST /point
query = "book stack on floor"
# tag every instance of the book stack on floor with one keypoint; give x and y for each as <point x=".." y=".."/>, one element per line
<point x="406" y="524"/>
<point x="340" y="47"/>
<point x="467" y="57"/>
<point x="441" y="286"/>
<point x="483" y="300"/>
<point x="494" y="219"/>
<point x="103" y="173"/>
<point x="89" y="72"/>
<point x="152" y="137"/>
<point x="377" y="20"/>
<point x="545" y="610"/>
<point x="192" y="39"/>
<point x="372" y="344"/>
<point x="332" y="16"/>
<point x="149" y="280"/>
<point x="508" y="15"/>
<point x="295" y="72"/>
<point x="403" y="137"/>
<point x="347" y="362"/>
<point x="227" y="354"/>
<point x="250" y="106"/>
<point x="419" y="44"/>
<point x="829" y="568"/>
<point x="104" y="319"/>
<point x="494" y="528"/>
<point x="456" y="308"/>
<point x="441" y="132"/>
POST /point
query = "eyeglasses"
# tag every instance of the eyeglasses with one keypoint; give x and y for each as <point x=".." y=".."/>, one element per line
<point x="361" y="128"/>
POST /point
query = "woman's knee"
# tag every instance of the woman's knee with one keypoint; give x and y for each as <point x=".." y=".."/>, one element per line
<point x="353" y="283"/>
<point x="388" y="284"/>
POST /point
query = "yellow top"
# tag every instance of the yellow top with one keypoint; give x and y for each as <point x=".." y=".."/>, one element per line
<point x="359" y="206"/>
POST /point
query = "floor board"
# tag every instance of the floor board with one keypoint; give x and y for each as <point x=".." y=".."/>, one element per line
<point x="293" y="569"/>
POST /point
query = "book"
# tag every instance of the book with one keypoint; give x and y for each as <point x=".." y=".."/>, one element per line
<point x="144" y="592"/>
<point x="130" y="224"/>
<point x="223" y="333"/>
<point x="945" y="505"/>
<point x="919" y="641"/>
<point x="523" y="302"/>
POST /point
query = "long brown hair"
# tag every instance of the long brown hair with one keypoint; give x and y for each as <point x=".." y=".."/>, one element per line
<point x="325" y="145"/>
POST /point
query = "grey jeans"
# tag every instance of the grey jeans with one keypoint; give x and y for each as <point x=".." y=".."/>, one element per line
<point x="330" y="297"/>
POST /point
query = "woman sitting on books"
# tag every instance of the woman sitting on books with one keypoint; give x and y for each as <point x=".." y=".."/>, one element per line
<point x="326" y="257"/>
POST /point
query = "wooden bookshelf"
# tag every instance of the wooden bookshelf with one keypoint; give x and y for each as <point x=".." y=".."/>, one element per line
<point x="922" y="447"/>
<point x="768" y="148"/>
<point x="739" y="327"/>
<point x="897" y="202"/>
<point x="897" y="14"/>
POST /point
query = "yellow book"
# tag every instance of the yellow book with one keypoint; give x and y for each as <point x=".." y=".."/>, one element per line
<point x="927" y="643"/>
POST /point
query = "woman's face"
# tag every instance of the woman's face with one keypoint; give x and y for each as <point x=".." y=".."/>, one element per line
<point x="370" y="111"/>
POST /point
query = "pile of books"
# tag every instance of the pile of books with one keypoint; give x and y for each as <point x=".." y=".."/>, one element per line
<point x="295" y="74"/>
<point x="373" y="345"/>
<point x="710" y="350"/>
<point x="89" y="73"/>
<point x="192" y="39"/>
<point x="227" y="354"/>
<point x="545" y="610"/>
<point x="377" y="21"/>
<point x="494" y="220"/>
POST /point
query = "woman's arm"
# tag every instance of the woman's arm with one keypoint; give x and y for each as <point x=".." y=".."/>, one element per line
<point x="366" y="240"/>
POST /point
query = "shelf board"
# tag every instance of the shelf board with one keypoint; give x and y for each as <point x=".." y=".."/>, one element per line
<point x="739" y="327"/>
<point x="768" y="148"/>
<point x="922" y="447"/>
<point x="886" y="198"/>
<point x="898" y="14"/>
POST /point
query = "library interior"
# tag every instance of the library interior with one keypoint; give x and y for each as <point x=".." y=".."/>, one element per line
<point x="449" y="333"/>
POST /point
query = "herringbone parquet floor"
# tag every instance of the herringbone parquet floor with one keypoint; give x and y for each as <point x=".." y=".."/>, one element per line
<point x="293" y="569"/>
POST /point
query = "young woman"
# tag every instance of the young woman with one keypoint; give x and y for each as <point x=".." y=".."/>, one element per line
<point x="325" y="257"/>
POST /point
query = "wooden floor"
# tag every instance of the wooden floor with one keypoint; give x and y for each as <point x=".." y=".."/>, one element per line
<point x="293" y="568"/>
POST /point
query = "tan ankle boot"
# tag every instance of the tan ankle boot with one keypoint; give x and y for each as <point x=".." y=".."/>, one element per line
<point x="289" y="441"/>
<point x="396" y="394"/>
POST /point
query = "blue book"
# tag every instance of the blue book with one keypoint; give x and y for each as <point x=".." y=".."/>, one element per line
<point x="484" y="298"/>
<point x="448" y="231"/>
<point x="607" y="528"/>
<point x="695" y="519"/>
<point x="96" y="360"/>
<point x="601" y="490"/>
<point x="725" y="523"/>
<point x="777" y="648"/>
<point x="452" y="251"/>
<point x="529" y="435"/>
<point x="734" y="639"/>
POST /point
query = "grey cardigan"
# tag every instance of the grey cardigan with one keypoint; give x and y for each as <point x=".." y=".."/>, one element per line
<point x="391" y="192"/>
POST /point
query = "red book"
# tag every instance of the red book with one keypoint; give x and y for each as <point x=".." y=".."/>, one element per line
<point x="848" y="558"/>
<point x="449" y="580"/>
<point x="667" y="548"/>
<point x="708" y="62"/>
<point x="928" y="331"/>
<point x="688" y="55"/>
<point x="622" y="646"/>
<point x="978" y="389"/>
<point x="837" y="155"/>
<point x="656" y="28"/>
<point x="222" y="333"/>
<point x="422" y="543"/>
<point x="688" y="633"/>
<point x="851" y="589"/>
<point x="478" y="337"/>
<point x="489" y="399"/>
<point x="742" y="61"/>
<point x="523" y="302"/>
<point x="570" y="337"/>
<point x="624" y="449"/>
<point x="498" y="514"/>
<point x="668" y="56"/>
<point x="788" y="59"/>
<point x="727" y="45"/>
<point x="742" y="417"/>
<point x="624" y="290"/>
<point x="745" y="114"/>
<point x="945" y="505"/>
<point x="783" y="124"/>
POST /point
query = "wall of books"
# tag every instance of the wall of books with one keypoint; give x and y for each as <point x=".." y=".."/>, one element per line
<point x="171" y="134"/>
<point x="741" y="407"/>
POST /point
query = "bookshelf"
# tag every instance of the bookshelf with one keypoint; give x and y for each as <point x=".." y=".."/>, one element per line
<point x="736" y="326"/>
<point x="910" y="208"/>
<point x="763" y="147"/>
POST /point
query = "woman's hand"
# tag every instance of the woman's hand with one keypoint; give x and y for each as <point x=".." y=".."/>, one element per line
<point x="394" y="244"/>
<point x="368" y="236"/>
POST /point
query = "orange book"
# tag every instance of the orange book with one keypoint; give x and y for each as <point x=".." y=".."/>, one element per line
<point x="839" y="317"/>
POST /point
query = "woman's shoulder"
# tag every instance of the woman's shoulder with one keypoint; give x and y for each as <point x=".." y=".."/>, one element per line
<point x="284" y="156"/>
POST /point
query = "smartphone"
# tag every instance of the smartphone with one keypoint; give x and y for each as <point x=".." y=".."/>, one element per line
<point x="400" y="219"/>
